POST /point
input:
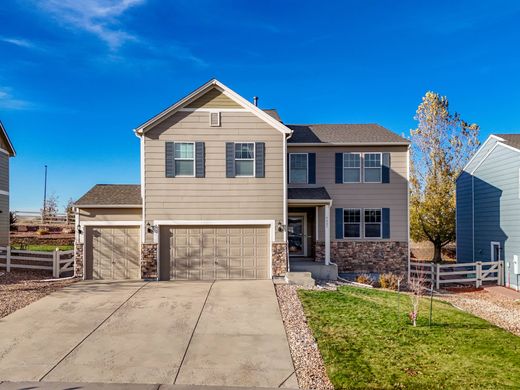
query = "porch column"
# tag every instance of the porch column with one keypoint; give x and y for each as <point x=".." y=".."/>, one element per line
<point x="327" y="234"/>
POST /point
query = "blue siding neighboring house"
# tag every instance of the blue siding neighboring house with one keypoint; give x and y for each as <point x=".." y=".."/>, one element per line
<point x="488" y="205"/>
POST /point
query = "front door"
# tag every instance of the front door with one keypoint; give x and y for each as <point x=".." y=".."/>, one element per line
<point x="296" y="230"/>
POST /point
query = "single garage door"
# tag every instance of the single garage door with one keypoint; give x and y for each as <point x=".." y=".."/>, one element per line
<point x="113" y="253"/>
<point x="214" y="252"/>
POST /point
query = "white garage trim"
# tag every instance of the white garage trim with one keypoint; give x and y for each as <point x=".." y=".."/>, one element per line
<point x="270" y="222"/>
<point x="111" y="223"/>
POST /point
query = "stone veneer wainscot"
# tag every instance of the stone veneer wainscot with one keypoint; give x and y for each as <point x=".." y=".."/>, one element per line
<point x="149" y="261"/>
<point x="279" y="258"/>
<point x="367" y="256"/>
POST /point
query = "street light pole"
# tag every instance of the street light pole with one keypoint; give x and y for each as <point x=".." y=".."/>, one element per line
<point x="44" y="195"/>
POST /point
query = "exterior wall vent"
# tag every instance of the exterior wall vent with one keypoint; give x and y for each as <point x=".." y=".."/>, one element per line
<point x="214" y="119"/>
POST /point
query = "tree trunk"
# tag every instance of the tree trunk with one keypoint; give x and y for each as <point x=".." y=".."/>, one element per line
<point x="437" y="252"/>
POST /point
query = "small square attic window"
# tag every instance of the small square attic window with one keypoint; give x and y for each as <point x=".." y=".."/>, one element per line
<point x="214" y="119"/>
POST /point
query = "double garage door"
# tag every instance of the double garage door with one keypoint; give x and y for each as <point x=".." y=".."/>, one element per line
<point x="186" y="252"/>
<point x="214" y="252"/>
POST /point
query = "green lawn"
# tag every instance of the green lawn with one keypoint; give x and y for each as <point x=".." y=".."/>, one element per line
<point x="44" y="248"/>
<point x="366" y="345"/>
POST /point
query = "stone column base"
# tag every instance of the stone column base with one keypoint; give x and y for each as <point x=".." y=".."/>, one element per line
<point x="78" y="259"/>
<point x="149" y="261"/>
<point x="279" y="258"/>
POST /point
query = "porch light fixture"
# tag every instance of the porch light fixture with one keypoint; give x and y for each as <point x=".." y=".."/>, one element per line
<point x="151" y="228"/>
<point x="79" y="230"/>
<point x="281" y="227"/>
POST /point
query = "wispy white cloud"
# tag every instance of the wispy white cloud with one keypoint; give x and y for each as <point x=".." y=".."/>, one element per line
<point x="98" y="17"/>
<point x="9" y="102"/>
<point x="18" y="42"/>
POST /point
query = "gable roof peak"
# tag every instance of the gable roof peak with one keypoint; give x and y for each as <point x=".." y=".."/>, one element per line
<point x="212" y="83"/>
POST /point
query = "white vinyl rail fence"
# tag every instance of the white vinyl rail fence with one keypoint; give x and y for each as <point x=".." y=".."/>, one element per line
<point x="459" y="273"/>
<point x="56" y="261"/>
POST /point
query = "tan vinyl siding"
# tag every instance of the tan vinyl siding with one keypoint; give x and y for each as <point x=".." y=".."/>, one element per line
<point x="110" y="214"/>
<point x="4" y="172"/>
<point x="213" y="197"/>
<point x="4" y="220"/>
<point x="363" y="195"/>
<point x="213" y="99"/>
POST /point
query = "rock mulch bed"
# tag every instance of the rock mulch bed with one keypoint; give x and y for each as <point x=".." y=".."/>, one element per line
<point x="498" y="309"/>
<point x="20" y="288"/>
<point x="308" y="363"/>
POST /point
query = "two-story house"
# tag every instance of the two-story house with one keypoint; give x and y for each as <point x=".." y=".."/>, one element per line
<point x="6" y="151"/>
<point x="488" y="206"/>
<point x="228" y="191"/>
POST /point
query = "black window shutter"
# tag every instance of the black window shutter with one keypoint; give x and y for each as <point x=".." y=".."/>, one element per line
<point x="339" y="167"/>
<point x="339" y="224"/>
<point x="169" y="163"/>
<point x="312" y="168"/>
<point x="385" y="176"/>
<point x="260" y="159"/>
<point x="200" y="164"/>
<point x="386" y="223"/>
<point x="230" y="159"/>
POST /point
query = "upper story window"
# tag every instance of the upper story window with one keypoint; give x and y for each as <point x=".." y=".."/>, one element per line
<point x="372" y="167"/>
<point x="352" y="223"/>
<point x="298" y="168"/>
<point x="184" y="157"/>
<point x="351" y="167"/>
<point x="245" y="159"/>
<point x="372" y="223"/>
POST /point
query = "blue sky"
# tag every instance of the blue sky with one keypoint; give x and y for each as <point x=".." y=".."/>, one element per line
<point x="77" y="76"/>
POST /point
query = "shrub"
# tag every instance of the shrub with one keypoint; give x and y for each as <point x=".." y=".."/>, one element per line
<point x="42" y="231"/>
<point x="365" y="279"/>
<point x="389" y="281"/>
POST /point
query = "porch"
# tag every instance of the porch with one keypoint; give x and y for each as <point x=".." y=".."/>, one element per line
<point x="308" y="232"/>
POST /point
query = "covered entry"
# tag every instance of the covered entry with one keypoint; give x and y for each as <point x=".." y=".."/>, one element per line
<point x="112" y="252"/>
<point x="215" y="252"/>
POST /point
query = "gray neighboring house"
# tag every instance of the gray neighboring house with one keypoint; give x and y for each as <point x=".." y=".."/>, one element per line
<point x="6" y="151"/>
<point x="488" y="206"/>
<point x="229" y="191"/>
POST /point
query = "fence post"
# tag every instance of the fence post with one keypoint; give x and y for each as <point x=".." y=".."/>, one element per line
<point x="8" y="258"/>
<point x="56" y="263"/>
<point x="438" y="276"/>
<point x="432" y="275"/>
<point x="500" y="272"/>
<point x="478" y="271"/>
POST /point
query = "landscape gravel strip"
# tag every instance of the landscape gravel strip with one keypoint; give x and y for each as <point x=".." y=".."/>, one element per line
<point x="308" y="363"/>
<point x="497" y="309"/>
<point x="20" y="288"/>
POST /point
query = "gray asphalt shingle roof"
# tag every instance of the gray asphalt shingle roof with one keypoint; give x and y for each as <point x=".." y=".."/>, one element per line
<point x="344" y="133"/>
<point x="511" y="139"/>
<point x="112" y="194"/>
<point x="318" y="193"/>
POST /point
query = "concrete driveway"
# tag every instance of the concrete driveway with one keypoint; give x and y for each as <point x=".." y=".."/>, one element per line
<point x="223" y="333"/>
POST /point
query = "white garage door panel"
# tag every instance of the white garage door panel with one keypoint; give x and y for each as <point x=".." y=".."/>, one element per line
<point x="217" y="252"/>
<point x="115" y="253"/>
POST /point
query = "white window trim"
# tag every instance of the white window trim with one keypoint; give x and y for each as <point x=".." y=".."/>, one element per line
<point x="361" y="219"/>
<point x="380" y="224"/>
<point x="380" y="168"/>
<point x="218" y="116"/>
<point x="245" y="159"/>
<point x="290" y="168"/>
<point x="360" y="168"/>
<point x="184" y="159"/>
